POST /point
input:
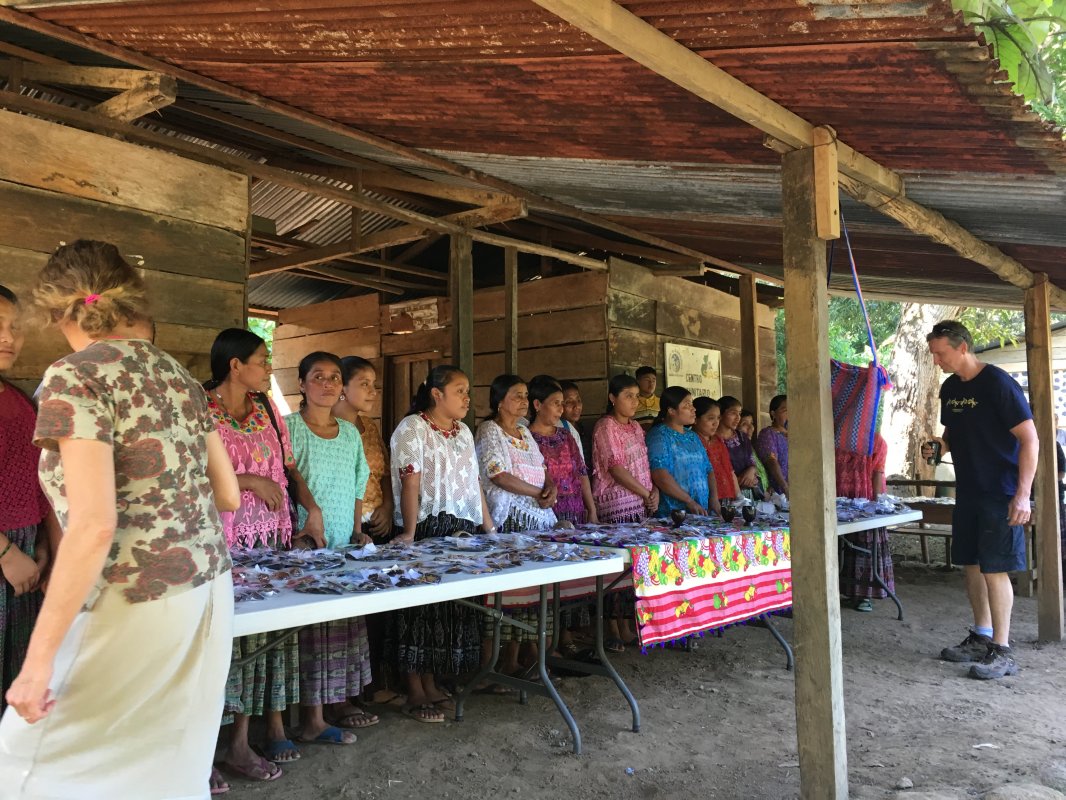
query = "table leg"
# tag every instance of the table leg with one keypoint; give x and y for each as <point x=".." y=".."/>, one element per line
<point x="489" y="668"/>
<point x="542" y="668"/>
<point x="608" y="667"/>
<point x="789" y="660"/>
<point x="875" y="556"/>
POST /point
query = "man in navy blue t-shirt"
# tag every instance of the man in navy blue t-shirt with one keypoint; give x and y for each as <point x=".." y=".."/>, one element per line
<point x="988" y="426"/>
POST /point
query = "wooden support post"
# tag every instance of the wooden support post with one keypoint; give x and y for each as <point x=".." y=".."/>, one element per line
<point x="749" y="347"/>
<point x="461" y="295"/>
<point x="1046" y="513"/>
<point x="827" y="189"/>
<point x="819" y="678"/>
<point x="510" y="295"/>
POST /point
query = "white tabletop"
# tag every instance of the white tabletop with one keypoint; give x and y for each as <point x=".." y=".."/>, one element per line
<point x="871" y="523"/>
<point x="291" y="609"/>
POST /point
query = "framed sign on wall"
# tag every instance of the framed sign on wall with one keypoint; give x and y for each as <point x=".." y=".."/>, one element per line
<point x="696" y="368"/>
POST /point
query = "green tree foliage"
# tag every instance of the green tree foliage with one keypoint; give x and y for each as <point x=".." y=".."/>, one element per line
<point x="264" y="329"/>
<point x="1027" y="37"/>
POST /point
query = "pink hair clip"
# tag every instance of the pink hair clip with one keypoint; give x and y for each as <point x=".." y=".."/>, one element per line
<point x="91" y="299"/>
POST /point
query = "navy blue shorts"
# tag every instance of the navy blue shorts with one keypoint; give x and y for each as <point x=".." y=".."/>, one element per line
<point x="980" y="534"/>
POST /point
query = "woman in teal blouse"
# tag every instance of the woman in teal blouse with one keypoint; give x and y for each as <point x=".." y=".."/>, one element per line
<point x="334" y="656"/>
<point x="679" y="464"/>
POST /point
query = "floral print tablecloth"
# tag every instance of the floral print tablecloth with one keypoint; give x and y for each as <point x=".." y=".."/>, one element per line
<point x="705" y="584"/>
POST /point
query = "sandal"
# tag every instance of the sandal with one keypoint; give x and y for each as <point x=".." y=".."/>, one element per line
<point x="423" y="713"/>
<point x="217" y="782"/>
<point x="281" y="752"/>
<point x="332" y="735"/>
<point x="262" y="771"/>
<point x="865" y="605"/>
<point x="570" y="649"/>
<point x="356" y="720"/>
<point x="494" y="688"/>
<point x="614" y="645"/>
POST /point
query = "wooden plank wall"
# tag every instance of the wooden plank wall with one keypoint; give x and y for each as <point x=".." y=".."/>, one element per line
<point x="187" y="221"/>
<point x="562" y="331"/>
<point x="348" y="327"/>
<point x="645" y="312"/>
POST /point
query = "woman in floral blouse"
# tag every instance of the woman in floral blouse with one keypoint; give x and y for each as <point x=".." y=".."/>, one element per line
<point x="139" y="611"/>
<point x="257" y="442"/>
<point x="335" y="655"/>
<point x="561" y="452"/>
<point x="435" y="481"/>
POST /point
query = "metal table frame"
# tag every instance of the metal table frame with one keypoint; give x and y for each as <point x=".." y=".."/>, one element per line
<point x="874" y="551"/>
<point x="330" y="607"/>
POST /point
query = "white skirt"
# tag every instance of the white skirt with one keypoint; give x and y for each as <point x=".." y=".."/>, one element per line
<point x="139" y="690"/>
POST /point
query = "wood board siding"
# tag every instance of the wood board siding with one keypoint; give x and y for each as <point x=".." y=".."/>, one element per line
<point x="185" y="224"/>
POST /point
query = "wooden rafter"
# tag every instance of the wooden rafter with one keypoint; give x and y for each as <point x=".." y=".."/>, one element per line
<point x="140" y="92"/>
<point x="390" y="236"/>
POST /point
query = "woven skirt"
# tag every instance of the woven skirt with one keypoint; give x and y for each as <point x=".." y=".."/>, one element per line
<point x="857" y="569"/>
<point x="525" y="614"/>
<point x="443" y="638"/>
<point x="334" y="661"/>
<point x="17" y="615"/>
<point x="270" y="682"/>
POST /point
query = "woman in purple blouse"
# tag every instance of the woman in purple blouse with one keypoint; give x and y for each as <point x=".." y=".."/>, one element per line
<point x="772" y="444"/>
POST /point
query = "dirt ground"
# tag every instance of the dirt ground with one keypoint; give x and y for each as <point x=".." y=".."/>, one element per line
<point x="720" y="722"/>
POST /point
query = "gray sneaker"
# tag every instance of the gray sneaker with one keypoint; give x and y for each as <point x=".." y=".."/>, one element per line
<point x="973" y="648"/>
<point x="997" y="663"/>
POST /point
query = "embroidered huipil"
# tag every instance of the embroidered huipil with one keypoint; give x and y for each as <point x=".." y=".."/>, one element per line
<point x="22" y="502"/>
<point x="447" y="462"/>
<point x="378" y="461"/>
<point x="254" y="449"/>
<point x="498" y="453"/>
<point x="618" y="445"/>
<point x="683" y="456"/>
<point x="335" y="471"/>
<point x="565" y="465"/>
<point x="718" y="454"/>
<point x="774" y="443"/>
<point x="130" y="395"/>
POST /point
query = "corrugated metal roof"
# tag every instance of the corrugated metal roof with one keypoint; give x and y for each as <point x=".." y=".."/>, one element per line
<point x="509" y="89"/>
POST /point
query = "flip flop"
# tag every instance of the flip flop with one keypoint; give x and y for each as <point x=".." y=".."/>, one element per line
<point x="272" y="751"/>
<point x="357" y="720"/>
<point x="445" y="704"/>
<point x="614" y="645"/>
<point x="392" y="699"/>
<point x="263" y="772"/>
<point x="413" y="713"/>
<point x="217" y="782"/>
<point x="331" y="735"/>
<point x="494" y="688"/>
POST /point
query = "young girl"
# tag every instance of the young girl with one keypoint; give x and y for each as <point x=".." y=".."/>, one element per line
<point x="355" y="406"/>
<point x="741" y="455"/>
<point x="258" y="446"/>
<point x="621" y="487"/>
<point x="334" y="656"/>
<point x="679" y="464"/>
<point x="435" y="480"/>
<point x="706" y="427"/>
<point x="562" y="456"/>
<point x="747" y="428"/>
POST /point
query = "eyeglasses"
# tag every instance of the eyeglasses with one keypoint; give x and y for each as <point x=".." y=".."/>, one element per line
<point x="322" y="380"/>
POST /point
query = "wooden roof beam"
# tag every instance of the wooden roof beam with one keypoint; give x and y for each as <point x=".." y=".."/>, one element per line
<point x="627" y="33"/>
<point x="538" y="249"/>
<point x="95" y="122"/>
<point x="462" y="221"/>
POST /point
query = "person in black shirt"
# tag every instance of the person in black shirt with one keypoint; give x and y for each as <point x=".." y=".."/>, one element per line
<point x="989" y="428"/>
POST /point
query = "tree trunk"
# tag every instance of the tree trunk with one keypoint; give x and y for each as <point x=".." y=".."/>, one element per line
<point x="912" y="408"/>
